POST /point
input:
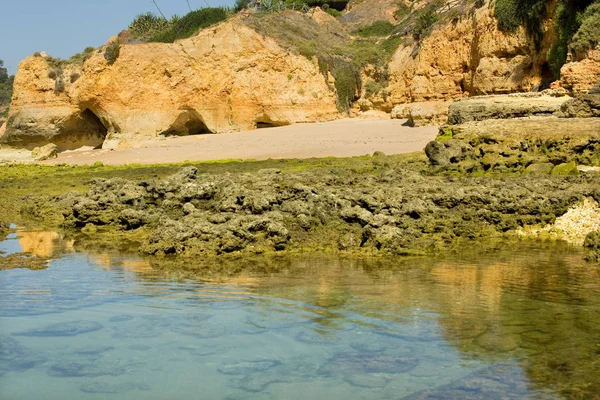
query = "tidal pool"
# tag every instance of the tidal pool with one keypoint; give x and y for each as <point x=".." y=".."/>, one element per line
<point x="523" y="322"/>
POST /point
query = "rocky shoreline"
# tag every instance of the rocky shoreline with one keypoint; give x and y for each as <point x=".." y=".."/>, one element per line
<point x="392" y="209"/>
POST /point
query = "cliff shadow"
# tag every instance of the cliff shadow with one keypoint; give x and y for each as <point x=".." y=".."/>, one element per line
<point x="189" y="122"/>
<point x="81" y="130"/>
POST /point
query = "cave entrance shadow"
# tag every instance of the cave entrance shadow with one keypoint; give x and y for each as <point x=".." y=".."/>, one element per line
<point x="188" y="123"/>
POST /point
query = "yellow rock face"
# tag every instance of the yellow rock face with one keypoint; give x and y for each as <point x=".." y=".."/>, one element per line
<point x="469" y="56"/>
<point x="228" y="78"/>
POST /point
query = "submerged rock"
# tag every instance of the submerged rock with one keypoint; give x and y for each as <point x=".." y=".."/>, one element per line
<point x="364" y="363"/>
<point x="71" y="328"/>
<point x="15" y="357"/>
<point x="112" y="388"/>
<point x="78" y="370"/>
<point x="248" y="367"/>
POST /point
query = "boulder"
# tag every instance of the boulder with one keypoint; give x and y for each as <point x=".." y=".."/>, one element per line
<point x="539" y="168"/>
<point x="449" y="152"/>
<point x="503" y="106"/>
<point x="45" y="152"/>
<point x="583" y="106"/>
<point x="422" y="113"/>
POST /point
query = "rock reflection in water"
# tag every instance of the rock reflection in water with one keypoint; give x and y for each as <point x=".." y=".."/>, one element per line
<point x="519" y="323"/>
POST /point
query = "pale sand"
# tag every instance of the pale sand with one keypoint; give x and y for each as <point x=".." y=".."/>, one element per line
<point x="344" y="138"/>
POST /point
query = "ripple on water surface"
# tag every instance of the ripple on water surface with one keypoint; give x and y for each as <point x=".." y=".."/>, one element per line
<point x="510" y="325"/>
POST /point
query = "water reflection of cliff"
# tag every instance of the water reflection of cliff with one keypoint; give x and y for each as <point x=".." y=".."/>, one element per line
<point x="44" y="244"/>
<point x="538" y="305"/>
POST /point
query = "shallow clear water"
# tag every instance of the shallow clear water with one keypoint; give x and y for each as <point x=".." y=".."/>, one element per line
<point x="513" y="324"/>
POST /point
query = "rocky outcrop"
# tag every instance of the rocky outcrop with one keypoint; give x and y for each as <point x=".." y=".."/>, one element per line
<point x="206" y="215"/>
<point x="513" y="145"/>
<point x="45" y="152"/>
<point x="422" y="113"/>
<point x="226" y="78"/>
<point x="579" y="77"/>
<point x="583" y="106"/>
<point x="469" y="56"/>
<point x="509" y="106"/>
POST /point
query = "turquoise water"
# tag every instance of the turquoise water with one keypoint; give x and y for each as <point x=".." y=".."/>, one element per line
<point x="520" y="323"/>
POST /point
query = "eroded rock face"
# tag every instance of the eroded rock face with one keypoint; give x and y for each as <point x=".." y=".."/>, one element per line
<point x="580" y="76"/>
<point x="469" y="56"/>
<point x="227" y="78"/>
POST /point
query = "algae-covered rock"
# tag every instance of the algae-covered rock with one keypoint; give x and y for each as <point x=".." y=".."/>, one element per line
<point x="565" y="169"/>
<point x="447" y="152"/>
<point x="539" y="168"/>
<point x="45" y="152"/>
<point x="592" y="246"/>
<point x="393" y="210"/>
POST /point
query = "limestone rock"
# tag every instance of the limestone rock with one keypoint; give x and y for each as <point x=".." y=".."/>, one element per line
<point x="580" y="76"/>
<point x="422" y="113"/>
<point x="45" y="152"/>
<point x="452" y="151"/>
<point x="583" y="106"/>
<point x="539" y="168"/>
<point x="468" y="56"/>
<point x="227" y="78"/>
<point x="503" y="106"/>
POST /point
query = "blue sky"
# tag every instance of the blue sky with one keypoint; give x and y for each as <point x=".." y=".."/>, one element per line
<point x="62" y="28"/>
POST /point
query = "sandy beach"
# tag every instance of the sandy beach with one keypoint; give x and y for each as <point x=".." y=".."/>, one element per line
<point x="343" y="138"/>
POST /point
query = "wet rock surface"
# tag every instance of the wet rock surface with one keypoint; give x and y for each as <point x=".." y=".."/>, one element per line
<point x="592" y="246"/>
<point x="389" y="210"/>
<point x="517" y="145"/>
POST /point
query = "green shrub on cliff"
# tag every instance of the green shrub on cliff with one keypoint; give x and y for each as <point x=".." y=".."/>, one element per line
<point x="588" y="35"/>
<point x="147" y="24"/>
<point x="378" y="28"/>
<point x="190" y="24"/>
<point x="113" y="49"/>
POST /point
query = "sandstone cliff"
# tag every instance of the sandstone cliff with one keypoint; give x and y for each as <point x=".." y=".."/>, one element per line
<point x="225" y="79"/>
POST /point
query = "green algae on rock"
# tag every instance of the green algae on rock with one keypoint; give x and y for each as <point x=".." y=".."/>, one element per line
<point x="23" y="260"/>
<point x="395" y="210"/>
<point x="592" y="246"/>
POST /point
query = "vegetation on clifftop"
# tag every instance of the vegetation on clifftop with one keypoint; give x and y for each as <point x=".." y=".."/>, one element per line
<point x="151" y="28"/>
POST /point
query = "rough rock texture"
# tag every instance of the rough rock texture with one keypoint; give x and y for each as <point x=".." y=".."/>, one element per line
<point x="363" y="13"/>
<point x="225" y="79"/>
<point x="503" y="106"/>
<point x="469" y="56"/>
<point x="580" y="76"/>
<point x="422" y="113"/>
<point x="390" y="209"/>
<point x="583" y="106"/>
<point x="45" y="152"/>
<point x="510" y="145"/>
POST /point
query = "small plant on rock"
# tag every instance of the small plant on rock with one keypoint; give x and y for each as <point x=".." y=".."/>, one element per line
<point x="113" y="49"/>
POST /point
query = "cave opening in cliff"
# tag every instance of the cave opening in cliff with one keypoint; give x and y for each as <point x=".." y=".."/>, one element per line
<point x="84" y="129"/>
<point x="188" y="123"/>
